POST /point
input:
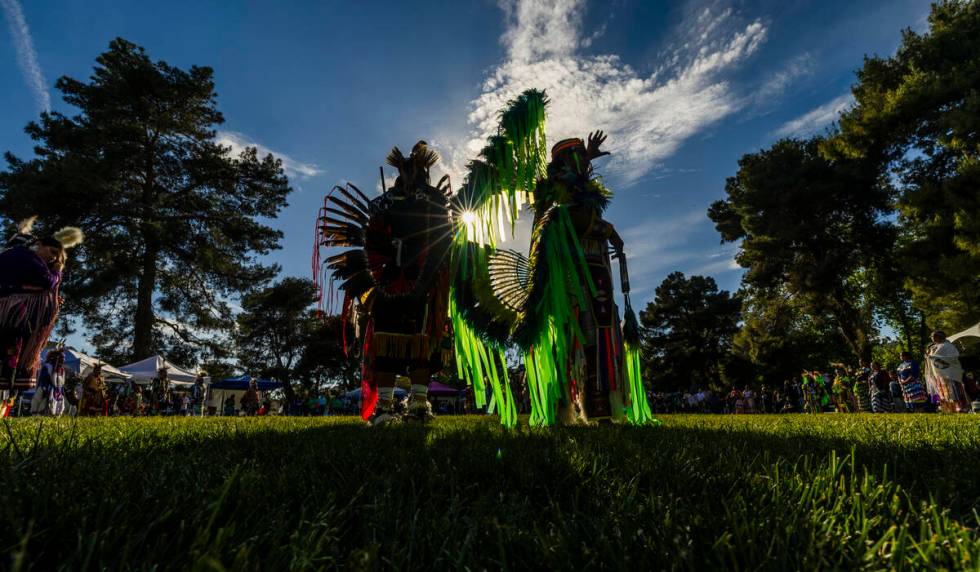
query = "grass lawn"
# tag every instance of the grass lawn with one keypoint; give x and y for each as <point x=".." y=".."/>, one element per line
<point x="780" y="492"/>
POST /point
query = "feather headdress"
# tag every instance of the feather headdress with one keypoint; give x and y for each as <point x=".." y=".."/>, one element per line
<point x="22" y="236"/>
<point x="27" y="225"/>
<point x="421" y="156"/>
<point x="69" y="236"/>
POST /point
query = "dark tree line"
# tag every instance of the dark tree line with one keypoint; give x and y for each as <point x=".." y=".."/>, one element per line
<point x="874" y="224"/>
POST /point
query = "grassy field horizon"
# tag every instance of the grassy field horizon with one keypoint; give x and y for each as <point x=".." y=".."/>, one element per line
<point x="754" y="491"/>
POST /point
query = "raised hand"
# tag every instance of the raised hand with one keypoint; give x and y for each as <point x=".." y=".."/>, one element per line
<point x="595" y="140"/>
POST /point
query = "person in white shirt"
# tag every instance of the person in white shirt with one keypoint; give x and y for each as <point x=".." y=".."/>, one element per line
<point x="944" y="374"/>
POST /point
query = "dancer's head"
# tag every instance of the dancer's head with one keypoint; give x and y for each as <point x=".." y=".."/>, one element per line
<point x="52" y="248"/>
<point x="413" y="171"/>
<point x="49" y="250"/>
<point x="56" y="357"/>
<point x="570" y="155"/>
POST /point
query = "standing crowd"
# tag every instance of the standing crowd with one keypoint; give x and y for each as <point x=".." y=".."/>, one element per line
<point x="940" y="384"/>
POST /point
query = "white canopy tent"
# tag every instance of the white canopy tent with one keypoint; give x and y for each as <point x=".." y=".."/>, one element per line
<point x="973" y="332"/>
<point x="144" y="371"/>
<point x="81" y="365"/>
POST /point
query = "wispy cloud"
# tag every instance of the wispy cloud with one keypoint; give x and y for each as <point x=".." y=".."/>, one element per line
<point x="647" y="117"/>
<point x="779" y="82"/>
<point x="815" y="119"/>
<point x="717" y="263"/>
<point x="658" y="246"/>
<point x="293" y="168"/>
<point x="26" y="55"/>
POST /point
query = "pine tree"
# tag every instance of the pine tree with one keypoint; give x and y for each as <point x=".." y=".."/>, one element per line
<point x="173" y="221"/>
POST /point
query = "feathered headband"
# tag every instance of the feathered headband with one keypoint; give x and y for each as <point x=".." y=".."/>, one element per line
<point x="421" y="156"/>
<point x="65" y="238"/>
<point x="68" y="236"/>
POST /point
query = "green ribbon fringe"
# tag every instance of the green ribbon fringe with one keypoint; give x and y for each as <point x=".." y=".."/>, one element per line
<point x="477" y="361"/>
<point x="638" y="410"/>
<point x="554" y="334"/>
<point x="505" y="174"/>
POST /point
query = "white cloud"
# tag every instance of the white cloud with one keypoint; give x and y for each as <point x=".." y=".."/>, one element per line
<point x="658" y="246"/>
<point x="815" y="119"/>
<point x="26" y="55"/>
<point x="779" y="82"/>
<point x="721" y="262"/>
<point x="647" y="117"/>
<point x="293" y="168"/>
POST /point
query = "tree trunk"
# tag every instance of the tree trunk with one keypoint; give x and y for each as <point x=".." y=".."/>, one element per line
<point x="287" y="389"/>
<point x="852" y="327"/>
<point x="144" y="320"/>
<point x="925" y="336"/>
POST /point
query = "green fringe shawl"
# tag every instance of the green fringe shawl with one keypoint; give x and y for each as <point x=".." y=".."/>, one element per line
<point x="546" y="331"/>
<point x="477" y="361"/>
<point x="497" y="184"/>
<point x="504" y="176"/>
<point x="549" y="327"/>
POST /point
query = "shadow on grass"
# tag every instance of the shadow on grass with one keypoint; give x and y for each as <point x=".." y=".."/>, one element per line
<point x="307" y="494"/>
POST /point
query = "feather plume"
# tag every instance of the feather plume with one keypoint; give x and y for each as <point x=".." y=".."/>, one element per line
<point x="396" y="159"/>
<point x="69" y="236"/>
<point x="27" y="225"/>
<point x="423" y="155"/>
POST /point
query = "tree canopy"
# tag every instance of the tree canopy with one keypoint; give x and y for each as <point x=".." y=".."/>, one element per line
<point x="808" y="225"/>
<point x="174" y="222"/>
<point x="273" y="328"/>
<point x="280" y="335"/>
<point x="917" y="119"/>
<point x="687" y="332"/>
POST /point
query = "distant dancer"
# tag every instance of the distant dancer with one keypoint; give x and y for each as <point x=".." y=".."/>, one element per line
<point x="842" y="390"/>
<point x="913" y="392"/>
<point x="94" y="394"/>
<point x="49" y="396"/>
<point x="250" y="401"/>
<point x="862" y="390"/>
<point x="880" y="386"/>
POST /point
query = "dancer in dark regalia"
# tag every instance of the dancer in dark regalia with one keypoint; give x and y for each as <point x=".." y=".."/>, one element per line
<point x="30" y="274"/>
<point x="395" y="283"/>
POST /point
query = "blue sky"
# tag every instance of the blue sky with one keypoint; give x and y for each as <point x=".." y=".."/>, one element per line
<point x="682" y="88"/>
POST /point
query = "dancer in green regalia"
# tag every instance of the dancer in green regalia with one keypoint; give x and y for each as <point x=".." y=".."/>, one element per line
<point x="556" y="305"/>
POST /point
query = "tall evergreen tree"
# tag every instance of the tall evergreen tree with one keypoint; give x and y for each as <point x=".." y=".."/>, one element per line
<point x="918" y="118"/>
<point x="274" y="328"/>
<point x="687" y="332"/>
<point x="809" y="226"/>
<point x="173" y="221"/>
